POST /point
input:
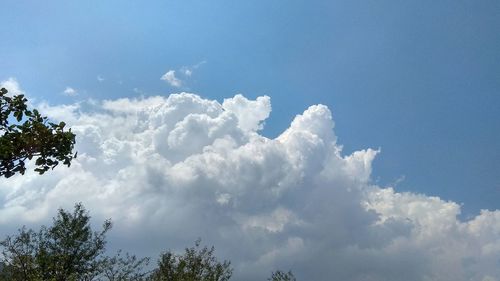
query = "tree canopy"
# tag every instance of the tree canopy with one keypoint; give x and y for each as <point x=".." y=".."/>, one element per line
<point x="196" y="264"/>
<point x="67" y="250"/>
<point x="26" y="134"/>
<point x="70" y="250"/>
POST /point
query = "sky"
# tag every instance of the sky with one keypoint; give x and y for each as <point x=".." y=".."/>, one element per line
<point x="355" y="139"/>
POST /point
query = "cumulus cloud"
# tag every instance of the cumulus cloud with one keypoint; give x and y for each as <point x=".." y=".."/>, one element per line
<point x="170" y="78"/>
<point x="12" y="86"/>
<point x="250" y="114"/>
<point x="168" y="170"/>
<point x="70" y="92"/>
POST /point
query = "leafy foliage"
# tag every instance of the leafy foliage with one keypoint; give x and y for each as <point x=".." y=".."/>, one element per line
<point x="121" y="268"/>
<point x="196" y="264"/>
<point x="282" y="276"/>
<point x="30" y="136"/>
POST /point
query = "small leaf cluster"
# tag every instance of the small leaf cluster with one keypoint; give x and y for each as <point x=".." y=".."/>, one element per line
<point x="26" y="134"/>
<point x="282" y="276"/>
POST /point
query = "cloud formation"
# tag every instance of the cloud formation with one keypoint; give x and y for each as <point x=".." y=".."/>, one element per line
<point x="12" y="86"/>
<point x="185" y="71"/>
<point x="70" y="92"/>
<point x="168" y="170"/>
<point x="171" y="79"/>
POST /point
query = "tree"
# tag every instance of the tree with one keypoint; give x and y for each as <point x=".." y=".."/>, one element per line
<point x="196" y="264"/>
<point x="282" y="276"/>
<point x="31" y="135"/>
<point x="19" y="256"/>
<point x="68" y="250"/>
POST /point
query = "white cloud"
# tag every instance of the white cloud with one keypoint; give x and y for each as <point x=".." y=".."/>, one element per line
<point x="70" y="92"/>
<point x="12" y="86"/>
<point x="168" y="170"/>
<point x="100" y="78"/>
<point x="188" y="70"/>
<point x="185" y="71"/>
<point x="250" y="114"/>
<point x="170" y="78"/>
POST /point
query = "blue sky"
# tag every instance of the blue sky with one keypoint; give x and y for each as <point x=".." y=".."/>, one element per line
<point x="418" y="79"/>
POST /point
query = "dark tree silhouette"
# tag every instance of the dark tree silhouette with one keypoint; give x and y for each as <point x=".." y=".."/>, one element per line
<point x="67" y="250"/>
<point x="196" y="264"/>
<point x="282" y="276"/>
